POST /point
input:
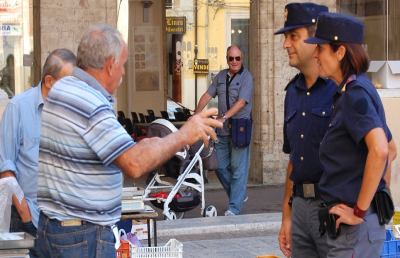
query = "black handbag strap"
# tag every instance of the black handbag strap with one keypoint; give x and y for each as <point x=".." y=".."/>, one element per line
<point x="228" y="81"/>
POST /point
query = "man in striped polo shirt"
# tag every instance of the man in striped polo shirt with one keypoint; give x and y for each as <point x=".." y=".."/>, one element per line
<point x="83" y="150"/>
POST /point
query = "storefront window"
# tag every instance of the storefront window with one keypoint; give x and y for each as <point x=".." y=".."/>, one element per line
<point x="16" y="45"/>
<point x="382" y="34"/>
<point x="240" y="37"/>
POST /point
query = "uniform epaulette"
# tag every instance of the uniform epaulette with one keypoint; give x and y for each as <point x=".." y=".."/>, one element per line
<point x="292" y="80"/>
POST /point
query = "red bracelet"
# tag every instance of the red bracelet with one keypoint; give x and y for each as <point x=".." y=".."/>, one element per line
<point x="359" y="212"/>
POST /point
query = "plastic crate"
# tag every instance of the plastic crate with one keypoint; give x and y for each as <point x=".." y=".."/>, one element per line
<point x="172" y="249"/>
<point x="391" y="247"/>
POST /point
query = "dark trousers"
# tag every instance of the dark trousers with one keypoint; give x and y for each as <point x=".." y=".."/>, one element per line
<point x="16" y="225"/>
<point x="307" y="242"/>
<point x="361" y="241"/>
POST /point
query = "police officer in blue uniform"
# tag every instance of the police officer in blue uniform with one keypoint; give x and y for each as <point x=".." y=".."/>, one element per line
<point x="355" y="149"/>
<point x="307" y="113"/>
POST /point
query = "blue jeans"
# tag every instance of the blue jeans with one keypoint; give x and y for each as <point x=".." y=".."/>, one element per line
<point x="85" y="241"/>
<point x="232" y="172"/>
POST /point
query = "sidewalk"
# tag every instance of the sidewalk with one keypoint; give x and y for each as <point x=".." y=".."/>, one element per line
<point x="253" y="233"/>
<point x="269" y="222"/>
<point x="239" y="236"/>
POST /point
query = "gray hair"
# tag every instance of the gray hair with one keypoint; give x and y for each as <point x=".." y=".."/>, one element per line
<point x="234" y="46"/>
<point x="56" y="60"/>
<point x="99" y="43"/>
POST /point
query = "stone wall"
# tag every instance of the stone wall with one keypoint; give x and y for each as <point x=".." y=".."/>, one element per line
<point x="271" y="74"/>
<point x="63" y="22"/>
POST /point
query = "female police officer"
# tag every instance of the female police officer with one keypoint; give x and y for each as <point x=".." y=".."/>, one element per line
<point x="354" y="151"/>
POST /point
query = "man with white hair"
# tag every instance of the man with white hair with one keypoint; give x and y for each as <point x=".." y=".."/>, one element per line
<point x="83" y="150"/>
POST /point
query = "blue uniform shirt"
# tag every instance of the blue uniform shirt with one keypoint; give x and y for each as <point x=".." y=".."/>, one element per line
<point x="343" y="152"/>
<point x="19" y="148"/>
<point x="307" y="115"/>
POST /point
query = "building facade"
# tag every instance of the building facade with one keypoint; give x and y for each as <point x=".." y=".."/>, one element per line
<point x="46" y="25"/>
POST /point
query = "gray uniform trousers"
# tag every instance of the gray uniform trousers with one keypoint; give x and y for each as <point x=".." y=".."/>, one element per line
<point x="361" y="241"/>
<point x="307" y="242"/>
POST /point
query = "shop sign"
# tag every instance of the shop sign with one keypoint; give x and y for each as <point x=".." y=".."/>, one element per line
<point x="10" y="5"/>
<point x="10" y="30"/>
<point x="176" y="25"/>
<point x="201" y="66"/>
<point x="10" y="11"/>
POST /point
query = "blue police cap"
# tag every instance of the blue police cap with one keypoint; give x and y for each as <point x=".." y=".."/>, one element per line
<point x="335" y="27"/>
<point x="301" y="15"/>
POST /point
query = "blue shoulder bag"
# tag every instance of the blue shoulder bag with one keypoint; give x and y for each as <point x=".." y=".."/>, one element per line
<point x="240" y="127"/>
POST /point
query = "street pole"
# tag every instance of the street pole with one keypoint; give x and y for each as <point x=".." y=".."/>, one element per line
<point x="196" y="50"/>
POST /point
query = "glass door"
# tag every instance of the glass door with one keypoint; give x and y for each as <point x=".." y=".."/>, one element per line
<point x="16" y="46"/>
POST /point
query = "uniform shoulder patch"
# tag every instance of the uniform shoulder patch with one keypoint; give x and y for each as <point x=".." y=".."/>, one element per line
<point x="361" y="105"/>
<point x="358" y="98"/>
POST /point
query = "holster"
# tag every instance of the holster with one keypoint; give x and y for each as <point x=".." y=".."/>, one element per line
<point x="327" y="222"/>
<point x="382" y="203"/>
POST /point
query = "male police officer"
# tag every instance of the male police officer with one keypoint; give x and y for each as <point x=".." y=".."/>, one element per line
<point x="308" y="104"/>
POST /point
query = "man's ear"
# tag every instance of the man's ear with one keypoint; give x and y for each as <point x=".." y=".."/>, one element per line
<point x="49" y="81"/>
<point x="109" y="64"/>
<point x="340" y="52"/>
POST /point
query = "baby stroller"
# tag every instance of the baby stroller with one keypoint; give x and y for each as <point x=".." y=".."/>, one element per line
<point x="186" y="191"/>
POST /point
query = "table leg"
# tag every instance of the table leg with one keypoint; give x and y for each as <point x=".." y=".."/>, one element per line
<point x="148" y="233"/>
<point x="155" y="231"/>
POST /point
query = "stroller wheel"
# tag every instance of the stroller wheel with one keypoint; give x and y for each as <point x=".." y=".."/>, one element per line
<point x="210" y="211"/>
<point x="180" y="215"/>
<point x="175" y="215"/>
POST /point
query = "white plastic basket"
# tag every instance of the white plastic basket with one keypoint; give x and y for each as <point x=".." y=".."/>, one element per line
<point x="172" y="249"/>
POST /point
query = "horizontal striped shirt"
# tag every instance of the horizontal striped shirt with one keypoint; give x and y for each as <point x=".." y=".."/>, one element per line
<point x="80" y="139"/>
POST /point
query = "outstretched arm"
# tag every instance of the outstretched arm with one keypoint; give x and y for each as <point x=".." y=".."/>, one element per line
<point x="150" y="153"/>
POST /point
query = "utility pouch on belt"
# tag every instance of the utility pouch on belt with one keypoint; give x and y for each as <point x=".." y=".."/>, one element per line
<point x="383" y="205"/>
<point x="327" y="222"/>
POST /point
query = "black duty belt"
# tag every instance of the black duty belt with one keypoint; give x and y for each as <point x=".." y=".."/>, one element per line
<point x="306" y="190"/>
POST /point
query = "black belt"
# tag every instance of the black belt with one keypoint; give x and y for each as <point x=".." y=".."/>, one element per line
<point x="306" y="190"/>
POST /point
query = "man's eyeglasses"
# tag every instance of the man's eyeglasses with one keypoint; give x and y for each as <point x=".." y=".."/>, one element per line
<point x="231" y="58"/>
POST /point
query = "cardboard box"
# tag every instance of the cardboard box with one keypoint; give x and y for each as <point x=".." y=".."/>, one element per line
<point x="140" y="228"/>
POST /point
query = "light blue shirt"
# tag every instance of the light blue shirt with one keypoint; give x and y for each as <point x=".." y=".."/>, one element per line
<point x="19" y="143"/>
<point x="81" y="138"/>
